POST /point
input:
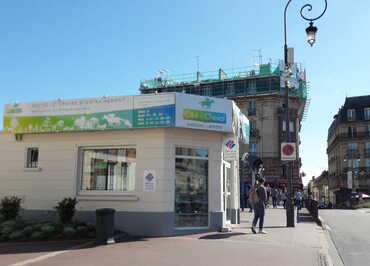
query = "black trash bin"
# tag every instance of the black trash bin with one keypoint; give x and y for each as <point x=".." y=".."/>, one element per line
<point x="105" y="226"/>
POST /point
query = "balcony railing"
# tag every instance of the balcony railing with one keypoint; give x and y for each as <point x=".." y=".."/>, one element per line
<point x="353" y="135"/>
<point x="357" y="171"/>
<point x="293" y="136"/>
<point x="350" y="153"/>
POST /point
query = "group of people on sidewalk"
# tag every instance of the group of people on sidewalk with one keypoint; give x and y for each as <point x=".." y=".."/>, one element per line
<point x="258" y="198"/>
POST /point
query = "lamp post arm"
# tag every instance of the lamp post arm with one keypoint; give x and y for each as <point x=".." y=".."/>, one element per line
<point x="285" y="37"/>
<point x="309" y="8"/>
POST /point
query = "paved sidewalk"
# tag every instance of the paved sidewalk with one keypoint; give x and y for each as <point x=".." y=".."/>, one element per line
<point x="302" y="245"/>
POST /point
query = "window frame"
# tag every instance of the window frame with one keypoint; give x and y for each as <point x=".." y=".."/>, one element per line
<point x="81" y="192"/>
<point x="352" y="163"/>
<point x="367" y="163"/>
<point x="207" y="158"/>
<point x="352" y="131"/>
<point x="291" y="126"/>
<point x="352" y="146"/>
<point x="367" y="113"/>
<point x="351" y="114"/>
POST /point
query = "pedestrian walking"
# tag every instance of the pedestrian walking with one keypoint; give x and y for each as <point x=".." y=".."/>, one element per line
<point x="298" y="199"/>
<point x="274" y="195"/>
<point x="268" y="193"/>
<point x="249" y="205"/>
<point x="279" y="196"/>
<point x="283" y="197"/>
<point x="258" y="198"/>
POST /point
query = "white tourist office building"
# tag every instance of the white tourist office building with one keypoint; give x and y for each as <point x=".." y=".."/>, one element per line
<point x="167" y="163"/>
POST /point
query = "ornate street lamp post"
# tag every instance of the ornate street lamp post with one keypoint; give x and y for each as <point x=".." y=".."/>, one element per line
<point x="311" y="38"/>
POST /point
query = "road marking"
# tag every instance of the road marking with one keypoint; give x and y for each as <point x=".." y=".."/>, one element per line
<point x="40" y="258"/>
<point x="50" y="255"/>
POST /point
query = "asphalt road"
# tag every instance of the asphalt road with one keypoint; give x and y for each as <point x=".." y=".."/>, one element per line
<point x="350" y="232"/>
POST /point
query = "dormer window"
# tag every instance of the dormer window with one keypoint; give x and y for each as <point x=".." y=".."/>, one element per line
<point x="367" y="113"/>
<point x="351" y="114"/>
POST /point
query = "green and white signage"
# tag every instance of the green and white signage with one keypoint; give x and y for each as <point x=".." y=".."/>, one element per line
<point x="105" y="113"/>
<point x="123" y="112"/>
<point x="202" y="112"/>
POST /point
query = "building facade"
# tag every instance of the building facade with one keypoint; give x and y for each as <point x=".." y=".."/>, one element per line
<point x="348" y="147"/>
<point x="259" y="94"/>
<point x="158" y="160"/>
<point x="319" y="188"/>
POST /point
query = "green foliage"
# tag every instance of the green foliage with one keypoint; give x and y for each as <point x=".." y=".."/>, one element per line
<point x="82" y="231"/>
<point x="362" y="205"/>
<point x="10" y="207"/>
<point x="4" y="237"/>
<point x="9" y="224"/>
<point x="90" y="227"/>
<point x="28" y="230"/>
<point x="36" y="235"/>
<point x="66" y="209"/>
<point x="48" y="229"/>
<point x="91" y="234"/>
<point x="58" y="225"/>
<point x="69" y="232"/>
<point x="37" y="227"/>
<point x="16" y="235"/>
<point x="19" y="224"/>
<point x="6" y="231"/>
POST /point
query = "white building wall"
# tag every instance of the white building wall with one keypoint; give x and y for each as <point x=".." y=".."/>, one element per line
<point x="58" y="174"/>
<point x="58" y="159"/>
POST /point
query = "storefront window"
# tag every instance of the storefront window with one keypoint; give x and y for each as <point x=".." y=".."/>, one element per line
<point x="191" y="195"/>
<point x="110" y="169"/>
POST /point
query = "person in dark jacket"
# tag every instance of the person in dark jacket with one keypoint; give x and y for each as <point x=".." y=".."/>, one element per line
<point x="259" y="207"/>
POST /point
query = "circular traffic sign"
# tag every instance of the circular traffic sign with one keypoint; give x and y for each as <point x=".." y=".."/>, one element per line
<point x="288" y="149"/>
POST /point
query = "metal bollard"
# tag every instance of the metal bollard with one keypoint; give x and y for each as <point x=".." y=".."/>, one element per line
<point x="105" y="226"/>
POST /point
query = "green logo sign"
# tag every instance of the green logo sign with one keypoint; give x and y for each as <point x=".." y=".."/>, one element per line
<point x="207" y="103"/>
<point x="204" y="116"/>
<point x="14" y="110"/>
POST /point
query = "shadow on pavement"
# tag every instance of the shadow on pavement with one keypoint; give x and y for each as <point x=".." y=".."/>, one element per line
<point x="304" y="218"/>
<point x="271" y="227"/>
<point x="221" y="236"/>
<point x="53" y="246"/>
<point x="277" y="226"/>
<point x="127" y="239"/>
<point x="40" y="246"/>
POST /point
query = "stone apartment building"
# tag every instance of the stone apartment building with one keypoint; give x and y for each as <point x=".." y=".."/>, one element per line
<point x="258" y="93"/>
<point x="349" y="148"/>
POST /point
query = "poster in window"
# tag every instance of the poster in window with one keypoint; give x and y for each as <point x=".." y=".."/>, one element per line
<point x="101" y="182"/>
<point x="149" y="178"/>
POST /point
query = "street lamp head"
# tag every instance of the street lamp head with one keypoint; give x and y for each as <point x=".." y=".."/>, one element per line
<point x="311" y="33"/>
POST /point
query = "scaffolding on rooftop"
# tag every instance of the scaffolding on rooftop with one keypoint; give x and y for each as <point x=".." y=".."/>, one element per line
<point x="200" y="82"/>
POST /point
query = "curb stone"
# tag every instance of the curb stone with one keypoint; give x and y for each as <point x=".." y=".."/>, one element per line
<point x="324" y="259"/>
<point x="331" y="252"/>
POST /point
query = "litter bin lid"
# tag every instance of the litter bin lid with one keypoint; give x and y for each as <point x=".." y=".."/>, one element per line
<point x="105" y="211"/>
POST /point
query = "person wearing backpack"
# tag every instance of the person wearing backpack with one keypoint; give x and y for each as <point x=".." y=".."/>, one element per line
<point x="258" y="199"/>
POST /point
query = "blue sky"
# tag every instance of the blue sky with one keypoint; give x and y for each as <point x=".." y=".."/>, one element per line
<point x="69" y="49"/>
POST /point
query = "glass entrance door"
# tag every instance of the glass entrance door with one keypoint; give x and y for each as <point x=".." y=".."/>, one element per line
<point x="227" y="190"/>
